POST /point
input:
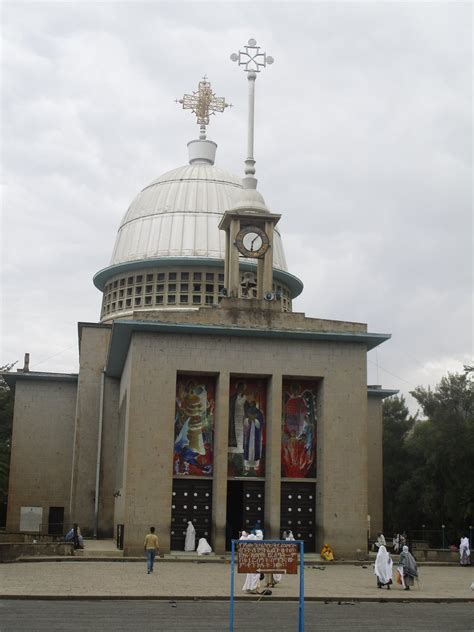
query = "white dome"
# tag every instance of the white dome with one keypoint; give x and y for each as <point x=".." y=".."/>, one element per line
<point x="178" y="215"/>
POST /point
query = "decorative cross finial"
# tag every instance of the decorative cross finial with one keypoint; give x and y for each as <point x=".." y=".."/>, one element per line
<point x="203" y="103"/>
<point x="253" y="61"/>
<point x="251" y="58"/>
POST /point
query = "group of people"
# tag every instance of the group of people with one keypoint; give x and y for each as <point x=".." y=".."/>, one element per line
<point x="203" y="547"/>
<point x="407" y="570"/>
<point x="74" y="535"/>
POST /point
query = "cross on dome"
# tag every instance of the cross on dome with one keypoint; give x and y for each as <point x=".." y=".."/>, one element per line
<point x="251" y="58"/>
<point x="203" y="103"/>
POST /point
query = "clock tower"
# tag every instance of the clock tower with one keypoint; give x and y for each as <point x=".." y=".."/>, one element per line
<point x="249" y="226"/>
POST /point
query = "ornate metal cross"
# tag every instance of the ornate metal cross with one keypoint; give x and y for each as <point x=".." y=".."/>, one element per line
<point x="203" y="103"/>
<point x="251" y="58"/>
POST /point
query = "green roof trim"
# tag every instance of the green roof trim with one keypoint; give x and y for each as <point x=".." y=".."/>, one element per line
<point x="123" y="329"/>
<point x="101" y="278"/>
<point x="381" y="392"/>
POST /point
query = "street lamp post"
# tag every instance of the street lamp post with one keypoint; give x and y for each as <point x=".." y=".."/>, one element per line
<point x="443" y="527"/>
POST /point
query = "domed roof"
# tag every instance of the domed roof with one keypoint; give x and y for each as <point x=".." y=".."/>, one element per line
<point x="178" y="214"/>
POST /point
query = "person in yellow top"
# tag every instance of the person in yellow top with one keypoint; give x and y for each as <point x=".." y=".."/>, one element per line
<point x="326" y="553"/>
<point x="151" y="549"/>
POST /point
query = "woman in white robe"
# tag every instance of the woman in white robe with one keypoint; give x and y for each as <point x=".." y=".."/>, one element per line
<point x="252" y="580"/>
<point x="464" y="552"/>
<point x="190" y="540"/>
<point x="383" y="568"/>
<point x="203" y="547"/>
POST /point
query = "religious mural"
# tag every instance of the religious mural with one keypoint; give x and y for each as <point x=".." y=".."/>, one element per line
<point x="298" y="441"/>
<point x="247" y="413"/>
<point x="194" y="425"/>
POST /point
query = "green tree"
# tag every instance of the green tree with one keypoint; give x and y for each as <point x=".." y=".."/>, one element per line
<point x="397" y="425"/>
<point x="6" y="421"/>
<point x="445" y="443"/>
<point x="429" y="462"/>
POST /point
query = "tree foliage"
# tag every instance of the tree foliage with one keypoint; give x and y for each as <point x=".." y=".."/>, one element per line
<point x="6" y="421"/>
<point x="429" y="462"/>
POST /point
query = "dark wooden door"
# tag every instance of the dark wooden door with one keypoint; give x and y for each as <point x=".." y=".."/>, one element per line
<point x="253" y="504"/>
<point x="298" y="508"/>
<point x="56" y="520"/>
<point x="192" y="500"/>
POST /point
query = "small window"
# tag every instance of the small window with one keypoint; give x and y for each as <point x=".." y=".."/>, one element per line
<point x="140" y="278"/>
<point x="159" y="300"/>
<point x="184" y="287"/>
<point x="147" y="300"/>
<point x="114" y="294"/>
<point x="113" y="306"/>
<point x="115" y="283"/>
<point x="184" y="276"/>
<point x="129" y="280"/>
<point x="128" y="302"/>
<point x="160" y="287"/>
<point x="172" y="276"/>
<point x="171" y="299"/>
<point x="122" y="282"/>
<point x="210" y="287"/>
<point x="149" y="278"/>
<point x="196" y="300"/>
<point x="209" y="300"/>
<point x="160" y="276"/>
<point x="171" y="287"/>
<point x="120" y="304"/>
<point x="221" y="277"/>
<point x="138" y="301"/>
<point x="149" y="289"/>
<point x="196" y="287"/>
<point x="197" y="276"/>
<point x="138" y="289"/>
<point x="183" y="298"/>
<point x="129" y="291"/>
<point x="121" y="292"/>
<point x="209" y="276"/>
<point x="220" y="288"/>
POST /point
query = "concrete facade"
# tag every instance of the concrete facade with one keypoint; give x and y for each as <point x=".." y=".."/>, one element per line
<point x="42" y="440"/>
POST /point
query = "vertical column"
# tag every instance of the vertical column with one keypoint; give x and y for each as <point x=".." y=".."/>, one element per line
<point x="273" y="457"/>
<point x="219" y="483"/>
<point x="226" y="261"/>
<point x="233" y="259"/>
<point x="267" y="280"/>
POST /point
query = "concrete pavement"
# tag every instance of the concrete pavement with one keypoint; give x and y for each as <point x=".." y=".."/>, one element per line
<point x="204" y="580"/>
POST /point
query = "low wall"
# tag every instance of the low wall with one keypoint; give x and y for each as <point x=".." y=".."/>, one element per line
<point x="436" y="555"/>
<point x="29" y="537"/>
<point x="11" y="551"/>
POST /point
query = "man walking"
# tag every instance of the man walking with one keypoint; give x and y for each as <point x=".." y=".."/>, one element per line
<point x="151" y="549"/>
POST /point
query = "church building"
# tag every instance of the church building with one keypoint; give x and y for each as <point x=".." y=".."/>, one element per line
<point x="201" y="395"/>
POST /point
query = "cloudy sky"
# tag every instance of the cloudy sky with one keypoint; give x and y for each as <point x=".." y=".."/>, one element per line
<point x="363" y="143"/>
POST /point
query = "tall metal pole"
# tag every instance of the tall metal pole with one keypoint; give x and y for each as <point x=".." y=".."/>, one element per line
<point x="252" y="61"/>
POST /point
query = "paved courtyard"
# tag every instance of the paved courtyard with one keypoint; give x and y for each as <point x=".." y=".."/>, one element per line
<point x="205" y="580"/>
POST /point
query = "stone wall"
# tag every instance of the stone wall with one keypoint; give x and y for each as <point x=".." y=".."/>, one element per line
<point x="155" y="359"/>
<point x="375" y="454"/>
<point x="42" y="448"/>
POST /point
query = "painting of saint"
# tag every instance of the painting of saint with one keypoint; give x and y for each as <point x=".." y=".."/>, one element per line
<point x="194" y="426"/>
<point x="246" y="445"/>
<point x="298" y="449"/>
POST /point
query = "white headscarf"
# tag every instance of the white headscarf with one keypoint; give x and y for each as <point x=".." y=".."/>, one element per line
<point x="190" y="540"/>
<point x="383" y="565"/>
<point x="203" y="547"/>
<point x="259" y="534"/>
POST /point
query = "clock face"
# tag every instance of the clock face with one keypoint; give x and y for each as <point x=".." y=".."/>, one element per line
<point x="252" y="241"/>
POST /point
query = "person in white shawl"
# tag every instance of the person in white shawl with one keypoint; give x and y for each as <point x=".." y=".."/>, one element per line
<point x="203" y="547"/>
<point x="252" y="580"/>
<point x="383" y="568"/>
<point x="464" y="552"/>
<point x="190" y="540"/>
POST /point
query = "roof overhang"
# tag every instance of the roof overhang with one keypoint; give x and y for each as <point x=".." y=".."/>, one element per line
<point x="381" y="393"/>
<point x="123" y="330"/>
<point x="100" y="279"/>
<point x="11" y="378"/>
